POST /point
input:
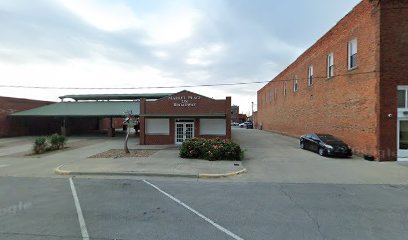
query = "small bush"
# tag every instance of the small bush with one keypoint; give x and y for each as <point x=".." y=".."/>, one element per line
<point x="57" y="141"/>
<point x="40" y="145"/>
<point x="211" y="149"/>
<point x="53" y="142"/>
<point x="62" y="140"/>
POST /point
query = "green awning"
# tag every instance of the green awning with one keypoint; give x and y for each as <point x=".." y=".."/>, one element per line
<point x="82" y="109"/>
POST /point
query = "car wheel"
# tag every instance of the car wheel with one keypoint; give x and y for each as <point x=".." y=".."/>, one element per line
<point x="322" y="152"/>
<point x="302" y="146"/>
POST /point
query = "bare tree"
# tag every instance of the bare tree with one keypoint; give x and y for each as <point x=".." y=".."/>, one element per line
<point x="130" y="122"/>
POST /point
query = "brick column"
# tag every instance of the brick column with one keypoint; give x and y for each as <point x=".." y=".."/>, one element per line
<point x="142" y="121"/>
<point x="228" y="116"/>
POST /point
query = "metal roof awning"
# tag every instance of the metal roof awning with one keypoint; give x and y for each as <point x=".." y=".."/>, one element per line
<point x="83" y="97"/>
<point x="82" y="109"/>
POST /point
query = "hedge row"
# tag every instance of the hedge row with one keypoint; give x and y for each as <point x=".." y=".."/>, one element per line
<point x="52" y="142"/>
<point x="211" y="149"/>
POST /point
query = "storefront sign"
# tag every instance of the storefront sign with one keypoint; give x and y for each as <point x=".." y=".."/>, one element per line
<point x="184" y="101"/>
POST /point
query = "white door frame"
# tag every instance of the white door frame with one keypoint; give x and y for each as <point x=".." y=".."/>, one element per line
<point x="184" y="129"/>
<point x="402" y="154"/>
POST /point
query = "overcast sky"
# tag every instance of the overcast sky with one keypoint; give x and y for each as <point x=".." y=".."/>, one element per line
<point x="100" y="43"/>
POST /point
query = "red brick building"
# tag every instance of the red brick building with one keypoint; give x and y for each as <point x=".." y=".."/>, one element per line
<point x="163" y="118"/>
<point x="172" y="119"/>
<point x="352" y="83"/>
<point x="235" y="114"/>
<point x="17" y="127"/>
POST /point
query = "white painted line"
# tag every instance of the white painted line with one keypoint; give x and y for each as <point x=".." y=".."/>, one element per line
<point x="81" y="219"/>
<point x="226" y="231"/>
<point x="4" y="165"/>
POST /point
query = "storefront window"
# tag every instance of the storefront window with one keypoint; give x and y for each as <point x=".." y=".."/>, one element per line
<point x="401" y="99"/>
<point x="403" y="135"/>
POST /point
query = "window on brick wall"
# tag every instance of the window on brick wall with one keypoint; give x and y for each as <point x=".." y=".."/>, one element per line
<point x="276" y="93"/>
<point x="330" y="65"/>
<point x="284" y="88"/>
<point x="310" y="76"/>
<point x="259" y="100"/>
<point x="270" y="96"/>
<point x="352" y="54"/>
<point x="295" y="84"/>
<point x="402" y="98"/>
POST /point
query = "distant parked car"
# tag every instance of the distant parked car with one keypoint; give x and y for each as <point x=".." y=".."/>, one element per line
<point x="249" y="125"/>
<point x="243" y="125"/>
<point x="234" y="124"/>
<point x="325" y="145"/>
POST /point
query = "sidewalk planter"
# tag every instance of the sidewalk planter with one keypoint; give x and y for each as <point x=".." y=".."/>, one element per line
<point x="211" y="149"/>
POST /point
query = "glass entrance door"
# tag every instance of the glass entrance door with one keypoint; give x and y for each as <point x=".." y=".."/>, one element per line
<point x="403" y="139"/>
<point x="179" y="133"/>
<point x="184" y="130"/>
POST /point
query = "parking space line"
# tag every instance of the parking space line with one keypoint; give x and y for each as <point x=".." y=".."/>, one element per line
<point x="219" y="227"/>
<point x="82" y="225"/>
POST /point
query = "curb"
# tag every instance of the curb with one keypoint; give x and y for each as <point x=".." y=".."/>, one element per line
<point x="231" y="174"/>
<point x="60" y="171"/>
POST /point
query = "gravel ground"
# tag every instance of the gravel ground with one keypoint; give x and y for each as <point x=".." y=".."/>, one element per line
<point x="119" y="153"/>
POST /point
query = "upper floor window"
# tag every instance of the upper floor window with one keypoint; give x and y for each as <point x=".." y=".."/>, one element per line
<point x="284" y="88"/>
<point x="352" y="54"/>
<point x="276" y="93"/>
<point x="330" y="65"/>
<point x="295" y="84"/>
<point x="310" y="76"/>
<point x="402" y="97"/>
<point x="270" y="96"/>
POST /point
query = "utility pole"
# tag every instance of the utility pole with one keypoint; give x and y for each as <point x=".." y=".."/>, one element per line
<point x="252" y="111"/>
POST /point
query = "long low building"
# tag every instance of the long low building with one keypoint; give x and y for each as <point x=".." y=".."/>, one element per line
<point x="351" y="83"/>
<point x="163" y="118"/>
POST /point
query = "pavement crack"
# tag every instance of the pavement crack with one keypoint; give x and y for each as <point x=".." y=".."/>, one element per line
<point x="315" y="220"/>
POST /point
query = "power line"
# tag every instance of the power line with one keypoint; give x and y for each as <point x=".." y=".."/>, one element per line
<point x="130" y="88"/>
<point x="276" y="79"/>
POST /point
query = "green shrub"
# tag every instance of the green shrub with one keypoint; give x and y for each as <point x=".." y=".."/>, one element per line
<point x="53" y="142"/>
<point x="211" y="149"/>
<point x="57" y="141"/>
<point x="62" y="140"/>
<point x="40" y="145"/>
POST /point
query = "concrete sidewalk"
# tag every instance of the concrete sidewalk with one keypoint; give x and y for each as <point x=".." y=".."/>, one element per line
<point x="165" y="162"/>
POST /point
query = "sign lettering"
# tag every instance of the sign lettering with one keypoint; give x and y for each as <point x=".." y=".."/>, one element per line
<point x="184" y="101"/>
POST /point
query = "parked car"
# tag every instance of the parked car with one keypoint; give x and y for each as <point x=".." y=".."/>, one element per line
<point x="243" y="125"/>
<point x="325" y="145"/>
<point x="250" y="125"/>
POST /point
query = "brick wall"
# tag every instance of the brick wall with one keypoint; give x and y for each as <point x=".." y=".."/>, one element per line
<point x="23" y="126"/>
<point x="19" y="126"/>
<point x="165" y="106"/>
<point x="235" y="113"/>
<point x="116" y="123"/>
<point x="344" y="105"/>
<point x="394" y="71"/>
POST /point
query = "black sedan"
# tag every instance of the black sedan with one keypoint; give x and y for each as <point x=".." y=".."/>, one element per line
<point x="325" y="145"/>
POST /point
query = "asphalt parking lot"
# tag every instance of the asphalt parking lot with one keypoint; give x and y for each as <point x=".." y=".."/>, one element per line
<point x="272" y="157"/>
<point x="287" y="193"/>
<point x="44" y="208"/>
